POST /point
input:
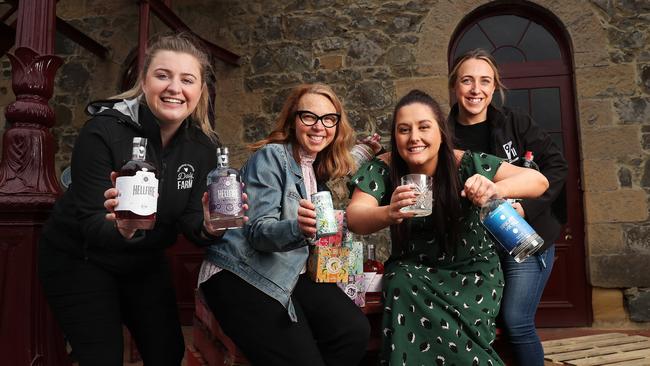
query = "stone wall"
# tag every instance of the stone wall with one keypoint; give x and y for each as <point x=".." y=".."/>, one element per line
<point x="372" y="53"/>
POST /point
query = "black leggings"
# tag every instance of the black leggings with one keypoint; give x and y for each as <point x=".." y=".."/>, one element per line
<point x="91" y="304"/>
<point x="331" y="329"/>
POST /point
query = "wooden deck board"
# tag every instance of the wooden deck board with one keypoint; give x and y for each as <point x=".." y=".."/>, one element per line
<point x="602" y="349"/>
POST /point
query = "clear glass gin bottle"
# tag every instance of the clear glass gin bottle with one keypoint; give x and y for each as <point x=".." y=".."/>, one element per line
<point x="224" y="191"/>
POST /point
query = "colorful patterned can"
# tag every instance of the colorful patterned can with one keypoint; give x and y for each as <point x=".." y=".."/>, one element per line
<point x="325" y="218"/>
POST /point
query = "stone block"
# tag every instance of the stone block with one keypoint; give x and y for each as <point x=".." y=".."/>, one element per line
<point x="434" y="86"/>
<point x="645" y="178"/>
<point x="625" y="177"/>
<point x="371" y="94"/>
<point x="632" y="110"/>
<point x="637" y="302"/>
<point x="595" y="113"/>
<point x="626" y="269"/>
<point x="625" y="205"/>
<point x="637" y="239"/>
<point x="606" y="81"/>
<point x="603" y="239"/>
<point x="611" y="142"/>
<point x="331" y="62"/>
<point x="238" y="103"/>
<point x="599" y="175"/>
<point x="399" y="55"/>
<point x="608" y="306"/>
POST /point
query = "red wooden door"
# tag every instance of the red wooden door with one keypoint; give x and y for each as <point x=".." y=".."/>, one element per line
<point x="567" y="298"/>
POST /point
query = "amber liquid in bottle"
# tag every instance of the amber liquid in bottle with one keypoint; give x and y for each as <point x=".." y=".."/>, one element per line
<point x="137" y="186"/>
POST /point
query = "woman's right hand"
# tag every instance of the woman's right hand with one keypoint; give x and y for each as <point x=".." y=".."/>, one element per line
<point x="110" y="204"/>
<point x="402" y="196"/>
<point x="307" y="218"/>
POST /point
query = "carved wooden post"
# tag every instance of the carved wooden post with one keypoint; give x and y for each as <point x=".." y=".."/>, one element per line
<point x="28" y="189"/>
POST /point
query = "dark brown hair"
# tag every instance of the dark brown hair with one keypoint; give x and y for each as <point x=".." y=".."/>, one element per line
<point x="446" y="191"/>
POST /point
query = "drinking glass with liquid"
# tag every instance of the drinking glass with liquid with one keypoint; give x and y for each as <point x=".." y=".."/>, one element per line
<point x="422" y="185"/>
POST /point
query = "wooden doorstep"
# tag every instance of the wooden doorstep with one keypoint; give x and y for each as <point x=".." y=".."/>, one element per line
<point x="602" y="349"/>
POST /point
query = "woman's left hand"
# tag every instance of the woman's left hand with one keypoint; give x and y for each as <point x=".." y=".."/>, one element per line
<point x="373" y="141"/>
<point x="207" y="226"/>
<point x="307" y="218"/>
<point x="479" y="190"/>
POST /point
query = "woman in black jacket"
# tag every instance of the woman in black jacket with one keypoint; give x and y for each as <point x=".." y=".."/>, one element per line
<point x="97" y="277"/>
<point x="480" y="127"/>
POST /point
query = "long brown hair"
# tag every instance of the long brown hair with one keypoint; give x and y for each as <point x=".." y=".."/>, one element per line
<point x="182" y="43"/>
<point x="335" y="160"/>
<point x="478" y="54"/>
<point x="446" y="191"/>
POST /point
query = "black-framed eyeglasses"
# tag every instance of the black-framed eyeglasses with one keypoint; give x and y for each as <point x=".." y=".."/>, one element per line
<point x="309" y="119"/>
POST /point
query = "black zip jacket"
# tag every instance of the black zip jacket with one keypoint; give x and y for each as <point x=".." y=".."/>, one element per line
<point x="78" y="225"/>
<point x="511" y="135"/>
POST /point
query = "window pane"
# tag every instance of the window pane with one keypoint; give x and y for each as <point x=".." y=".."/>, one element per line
<point x="545" y="108"/>
<point x="504" y="30"/>
<point x="508" y="54"/>
<point x="473" y="38"/>
<point x="539" y="44"/>
<point x="517" y="99"/>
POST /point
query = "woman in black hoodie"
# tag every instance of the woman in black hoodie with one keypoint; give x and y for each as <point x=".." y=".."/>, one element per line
<point x="480" y="127"/>
<point x="97" y="277"/>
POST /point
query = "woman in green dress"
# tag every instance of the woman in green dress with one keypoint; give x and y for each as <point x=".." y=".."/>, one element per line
<point x="443" y="283"/>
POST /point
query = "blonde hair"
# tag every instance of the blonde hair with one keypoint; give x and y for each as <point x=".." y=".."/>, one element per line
<point x="335" y="160"/>
<point x="478" y="54"/>
<point x="182" y="43"/>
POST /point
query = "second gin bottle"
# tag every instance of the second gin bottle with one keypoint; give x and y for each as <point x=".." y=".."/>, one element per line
<point x="224" y="191"/>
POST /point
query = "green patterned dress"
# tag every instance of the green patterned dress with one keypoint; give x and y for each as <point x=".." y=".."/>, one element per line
<point x="439" y="308"/>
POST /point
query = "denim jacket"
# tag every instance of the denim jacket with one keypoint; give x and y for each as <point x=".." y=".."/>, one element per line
<point x="270" y="251"/>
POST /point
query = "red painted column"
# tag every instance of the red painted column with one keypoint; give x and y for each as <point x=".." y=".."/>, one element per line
<point x="28" y="189"/>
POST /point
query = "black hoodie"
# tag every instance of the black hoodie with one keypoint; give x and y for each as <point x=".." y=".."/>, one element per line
<point x="511" y="135"/>
<point x="78" y="225"/>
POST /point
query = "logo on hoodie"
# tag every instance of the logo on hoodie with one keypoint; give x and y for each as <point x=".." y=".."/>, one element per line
<point x="184" y="176"/>
<point x="510" y="151"/>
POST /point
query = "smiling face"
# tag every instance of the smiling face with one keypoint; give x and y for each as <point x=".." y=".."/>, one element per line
<point x="474" y="88"/>
<point x="418" y="137"/>
<point x="313" y="139"/>
<point x="172" y="86"/>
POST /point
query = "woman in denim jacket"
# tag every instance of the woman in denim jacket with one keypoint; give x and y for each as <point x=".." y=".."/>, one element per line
<point x="254" y="279"/>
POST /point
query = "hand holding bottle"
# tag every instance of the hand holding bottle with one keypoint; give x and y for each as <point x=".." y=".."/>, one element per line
<point x="479" y="190"/>
<point x="110" y="204"/>
<point x="519" y="208"/>
<point x="373" y="141"/>
<point x="210" y="229"/>
<point x="307" y="218"/>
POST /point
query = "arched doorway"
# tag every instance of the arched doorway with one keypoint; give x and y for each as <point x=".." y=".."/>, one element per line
<point x="535" y="59"/>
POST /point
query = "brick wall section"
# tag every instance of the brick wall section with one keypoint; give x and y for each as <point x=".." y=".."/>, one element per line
<point x="372" y="53"/>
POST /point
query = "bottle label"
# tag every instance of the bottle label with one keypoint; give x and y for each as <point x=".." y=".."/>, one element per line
<point x="137" y="193"/>
<point x="225" y="196"/>
<point x="372" y="281"/>
<point x="507" y="226"/>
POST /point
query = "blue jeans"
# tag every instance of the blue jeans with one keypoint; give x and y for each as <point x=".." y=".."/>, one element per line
<point x="524" y="285"/>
